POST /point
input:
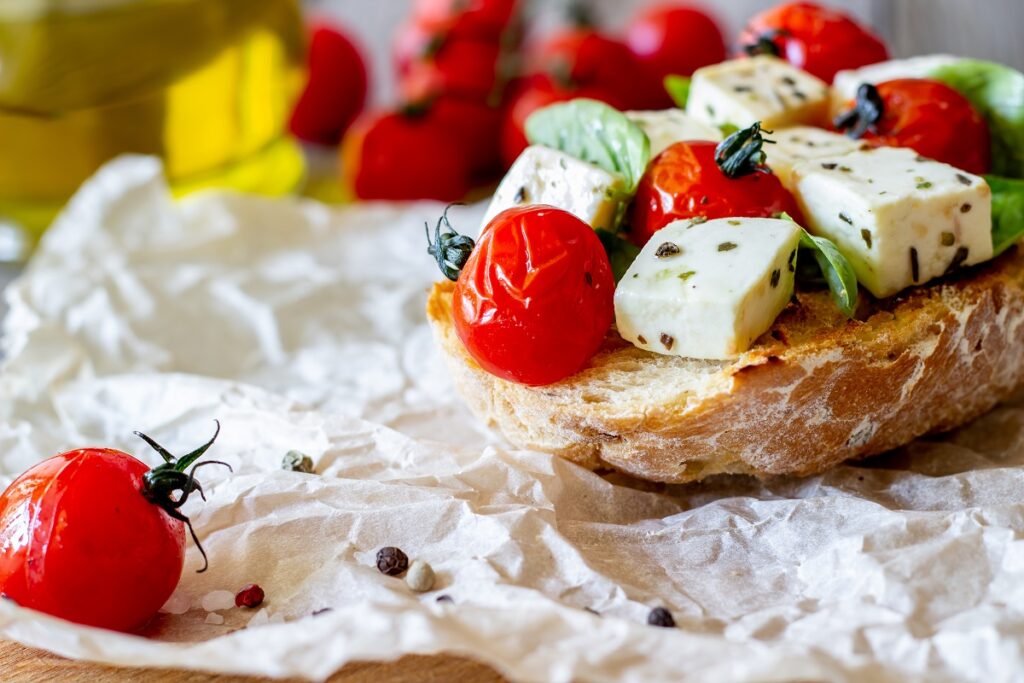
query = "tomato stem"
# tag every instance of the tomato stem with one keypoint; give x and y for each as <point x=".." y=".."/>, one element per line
<point x="163" y="481"/>
<point x="450" y="249"/>
<point x="867" y="111"/>
<point x="742" y="153"/>
<point x="765" y="44"/>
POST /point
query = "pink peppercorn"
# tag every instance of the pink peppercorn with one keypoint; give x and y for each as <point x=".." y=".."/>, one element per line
<point x="251" y="596"/>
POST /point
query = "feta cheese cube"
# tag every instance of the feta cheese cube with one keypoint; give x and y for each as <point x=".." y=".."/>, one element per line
<point x="742" y="92"/>
<point x="708" y="290"/>
<point x="845" y="84"/>
<point x="546" y="176"/>
<point x="900" y="219"/>
<point x="793" y="145"/>
<point x="665" y="128"/>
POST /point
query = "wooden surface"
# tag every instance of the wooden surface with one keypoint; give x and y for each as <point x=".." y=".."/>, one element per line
<point x="22" y="665"/>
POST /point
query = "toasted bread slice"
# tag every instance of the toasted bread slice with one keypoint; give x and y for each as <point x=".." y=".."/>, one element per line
<point x="814" y="391"/>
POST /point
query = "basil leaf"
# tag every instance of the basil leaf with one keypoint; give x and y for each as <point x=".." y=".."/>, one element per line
<point x="678" y="88"/>
<point x="997" y="92"/>
<point x="838" y="272"/>
<point x="621" y="252"/>
<point x="1007" y="212"/>
<point x="594" y="132"/>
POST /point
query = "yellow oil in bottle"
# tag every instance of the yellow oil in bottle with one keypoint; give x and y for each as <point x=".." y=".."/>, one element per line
<point x="205" y="84"/>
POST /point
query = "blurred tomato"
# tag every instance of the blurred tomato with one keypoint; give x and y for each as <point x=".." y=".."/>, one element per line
<point x="405" y="155"/>
<point x="817" y="39"/>
<point x="477" y="126"/>
<point x="458" y="68"/>
<point x="531" y="94"/>
<point x="336" y="88"/>
<point x="672" y="39"/>
<point x="412" y="44"/>
<point x="472" y="19"/>
<point x="583" y="58"/>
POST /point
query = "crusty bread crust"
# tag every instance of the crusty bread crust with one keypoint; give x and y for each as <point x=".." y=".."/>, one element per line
<point x="813" y="392"/>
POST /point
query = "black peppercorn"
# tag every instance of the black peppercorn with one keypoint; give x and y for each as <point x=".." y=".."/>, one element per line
<point x="660" y="616"/>
<point x="392" y="561"/>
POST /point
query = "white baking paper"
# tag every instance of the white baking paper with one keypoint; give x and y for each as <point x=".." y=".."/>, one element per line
<point x="301" y="327"/>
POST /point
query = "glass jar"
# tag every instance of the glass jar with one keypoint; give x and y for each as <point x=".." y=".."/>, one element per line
<point x="207" y="85"/>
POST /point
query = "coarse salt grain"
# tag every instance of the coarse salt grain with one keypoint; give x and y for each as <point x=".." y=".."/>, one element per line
<point x="217" y="601"/>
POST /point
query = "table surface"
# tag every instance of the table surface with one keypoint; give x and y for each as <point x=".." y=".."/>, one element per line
<point x="23" y="665"/>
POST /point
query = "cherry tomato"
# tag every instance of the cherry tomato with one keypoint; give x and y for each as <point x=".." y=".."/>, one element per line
<point x="473" y="19"/>
<point x="685" y="182"/>
<point x="530" y="95"/>
<point x="412" y="44"/>
<point x="94" y="536"/>
<point x="478" y="126"/>
<point x="583" y="58"/>
<point x="533" y="266"/>
<point x="672" y="39"/>
<point x="405" y="155"/>
<point x="335" y="91"/>
<point x="932" y="119"/>
<point x="460" y="68"/>
<point x="819" y="40"/>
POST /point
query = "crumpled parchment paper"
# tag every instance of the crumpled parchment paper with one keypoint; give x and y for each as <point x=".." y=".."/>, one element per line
<point x="301" y="327"/>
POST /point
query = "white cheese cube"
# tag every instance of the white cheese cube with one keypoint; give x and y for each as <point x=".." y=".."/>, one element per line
<point x="900" y="219"/>
<point x="665" y="128"/>
<point x="742" y="92"/>
<point x="546" y="176"/>
<point x="845" y="84"/>
<point x="793" y="145"/>
<point x="708" y="290"/>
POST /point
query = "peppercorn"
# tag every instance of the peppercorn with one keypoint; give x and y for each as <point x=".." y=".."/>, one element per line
<point x="251" y="596"/>
<point x="420" y="577"/>
<point x="659" y="616"/>
<point x="444" y="598"/>
<point x="392" y="561"/>
<point x="297" y="462"/>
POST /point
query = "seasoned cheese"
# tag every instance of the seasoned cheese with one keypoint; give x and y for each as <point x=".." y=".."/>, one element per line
<point x="900" y="219"/>
<point x="546" y="176"/>
<point x="708" y="290"/>
<point x="742" y="92"/>
<point x="793" y="145"/>
<point x="667" y="127"/>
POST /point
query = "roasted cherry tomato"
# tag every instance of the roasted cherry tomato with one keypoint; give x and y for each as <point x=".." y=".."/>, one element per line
<point x="708" y="180"/>
<point x="473" y="19"/>
<point x="671" y="39"/>
<point x="335" y="91"/>
<point x="405" y="155"/>
<point x="534" y="300"/>
<point x="459" y="68"/>
<point x="926" y="116"/>
<point x="531" y="94"/>
<point x="478" y="126"/>
<point x="819" y="40"/>
<point x="95" y="536"/>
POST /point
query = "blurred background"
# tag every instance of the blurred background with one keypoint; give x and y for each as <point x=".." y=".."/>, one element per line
<point x="349" y="100"/>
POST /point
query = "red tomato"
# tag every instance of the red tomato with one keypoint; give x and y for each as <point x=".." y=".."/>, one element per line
<point x="685" y="182"/>
<point x="460" y="68"/>
<point x="820" y="40"/>
<point x="583" y="58"/>
<point x="412" y="44"/>
<point x="335" y="91"/>
<point x="530" y="268"/>
<point x="675" y="39"/>
<point x="396" y="155"/>
<point x="934" y="120"/>
<point x="532" y="94"/>
<point x="82" y="538"/>
<point x="478" y="127"/>
<point x="473" y="19"/>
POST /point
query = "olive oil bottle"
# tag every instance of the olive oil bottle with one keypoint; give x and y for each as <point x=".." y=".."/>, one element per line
<point x="205" y="84"/>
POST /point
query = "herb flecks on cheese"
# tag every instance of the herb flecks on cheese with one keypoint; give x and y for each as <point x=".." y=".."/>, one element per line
<point x="742" y="92"/>
<point x="805" y="143"/>
<point x="898" y="218"/>
<point x="714" y="298"/>
<point x="667" y="127"/>
<point x="547" y="176"/>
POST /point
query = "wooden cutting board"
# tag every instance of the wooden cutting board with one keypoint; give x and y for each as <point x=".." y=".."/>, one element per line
<point x="22" y="665"/>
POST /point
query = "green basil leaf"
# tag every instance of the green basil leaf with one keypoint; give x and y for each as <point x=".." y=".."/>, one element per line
<point x="997" y="92"/>
<point x="838" y="272"/>
<point x="678" y="88"/>
<point x="594" y="132"/>
<point x="1007" y="212"/>
<point x="621" y="252"/>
